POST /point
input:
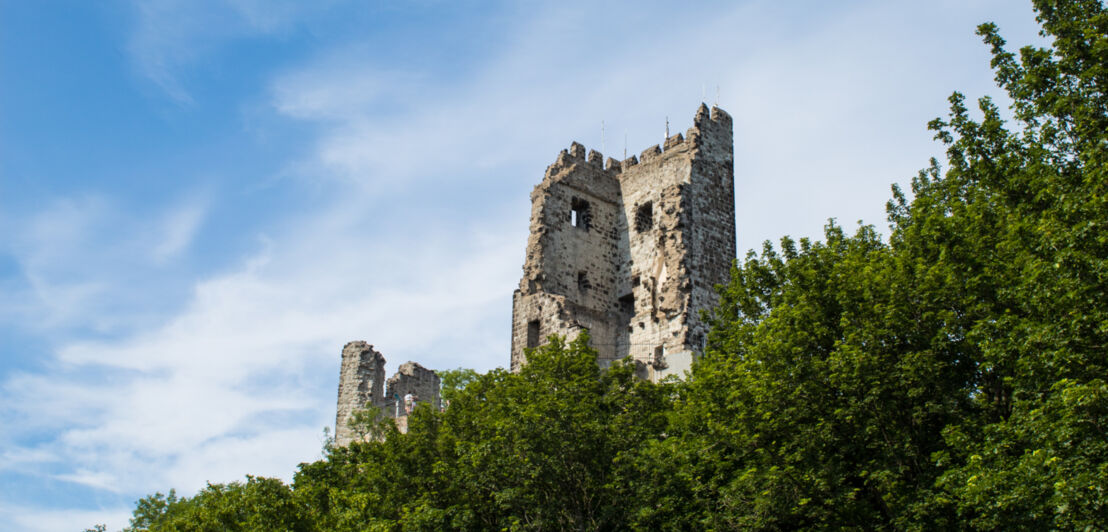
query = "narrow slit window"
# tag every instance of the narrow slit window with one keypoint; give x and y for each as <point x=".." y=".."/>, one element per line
<point x="579" y="213"/>
<point x="582" y="282"/>
<point x="533" y="333"/>
<point x="644" y="217"/>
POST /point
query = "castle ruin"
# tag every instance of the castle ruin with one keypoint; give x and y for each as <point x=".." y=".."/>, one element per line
<point x="630" y="250"/>
<point x="362" y="383"/>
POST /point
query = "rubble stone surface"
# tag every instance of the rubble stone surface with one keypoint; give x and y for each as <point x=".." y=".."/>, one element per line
<point x="361" y="381"/>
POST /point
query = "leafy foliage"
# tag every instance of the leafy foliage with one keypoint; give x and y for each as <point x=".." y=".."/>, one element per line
<point x="952" y="376"/>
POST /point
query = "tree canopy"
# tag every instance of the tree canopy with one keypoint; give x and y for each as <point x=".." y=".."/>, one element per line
<point x="950" y="376"/>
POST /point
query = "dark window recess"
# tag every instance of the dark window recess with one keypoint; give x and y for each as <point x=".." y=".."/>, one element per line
<point x="579" y="213"/>
<point x="533" y="333"/>
<point x="635" y="281"/>
<point x="627" y="304"/>
<point x="582" y="282"/>
<point x="644" y="217"/>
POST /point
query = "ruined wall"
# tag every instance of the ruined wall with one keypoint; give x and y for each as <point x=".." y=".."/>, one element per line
<point x="361" y="382"/>
<point x="411" y="378"/>
<point x="660" y="234"/>
<point x="569" y="276"/>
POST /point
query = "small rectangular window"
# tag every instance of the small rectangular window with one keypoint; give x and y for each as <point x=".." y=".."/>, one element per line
<point x="582" y="282"/>
<point x="579" y="213"/>
<point x="627" y="304"/>
<point x="644" y="217"/>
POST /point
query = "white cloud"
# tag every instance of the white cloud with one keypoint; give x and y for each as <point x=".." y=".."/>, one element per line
<point x="233" y="384"/>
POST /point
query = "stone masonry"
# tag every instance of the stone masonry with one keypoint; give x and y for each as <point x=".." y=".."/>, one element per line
<point x="362" y="383"/>
<point x="631" y="250"/>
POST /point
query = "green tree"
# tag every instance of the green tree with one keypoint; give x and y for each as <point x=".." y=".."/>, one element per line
<point x="824" y="391"/>
<point x="533" y="449"/>
<point x="370" y="422"/>
<point x="453" y="381"/>
<point x="1039" y="196"/>
<point x="259" y="504"/>
<point x="555" y="446"/>
<point x="954" y="376"/>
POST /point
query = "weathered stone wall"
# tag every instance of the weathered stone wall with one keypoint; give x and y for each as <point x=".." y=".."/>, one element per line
<point x="569" y="277"/>
<point x="712" y="231"/>
<point x="411" y="378"/>
<point x="660" y="234"/>
<point x="361" y="382"/>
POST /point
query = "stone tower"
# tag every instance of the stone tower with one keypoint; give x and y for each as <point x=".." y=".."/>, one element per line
<point x="631" y="250"/>
<point x="362" y="383"/>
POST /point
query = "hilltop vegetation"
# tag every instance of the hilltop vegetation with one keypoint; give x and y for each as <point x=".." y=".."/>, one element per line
<point x="949" y="377"/>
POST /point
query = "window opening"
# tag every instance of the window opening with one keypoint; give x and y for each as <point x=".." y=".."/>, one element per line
<point x="533" y="333"/>
<point x="627" y="304"/>
<point x="644" y="217"/>
<point x="582" y="282"/>
<point x="579" y="213"/>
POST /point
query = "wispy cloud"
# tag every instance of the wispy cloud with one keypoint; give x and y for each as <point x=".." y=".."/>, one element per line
<point x="171" y="36"/>
<point x="241" y="380"/>
<point x="177" y="229"/>
<point x="84" y="258"/>
<point x="51" y="248"/>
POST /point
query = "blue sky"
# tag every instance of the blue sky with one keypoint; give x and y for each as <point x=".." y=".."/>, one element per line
<point x="201" y="201"/>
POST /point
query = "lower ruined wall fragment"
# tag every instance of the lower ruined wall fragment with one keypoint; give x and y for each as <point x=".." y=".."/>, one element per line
<point x="362" y="384"/>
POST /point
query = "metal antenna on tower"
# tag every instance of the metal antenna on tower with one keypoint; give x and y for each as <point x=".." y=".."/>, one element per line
<point x="667" y="127"/>
<point x="602" y="136"/>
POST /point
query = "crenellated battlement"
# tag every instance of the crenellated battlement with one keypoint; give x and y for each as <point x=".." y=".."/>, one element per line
<point x="650" y="154"/>
<point x="707" y="123"/>
<point x="673" y="142"/>
<point x="576" y="154"/>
